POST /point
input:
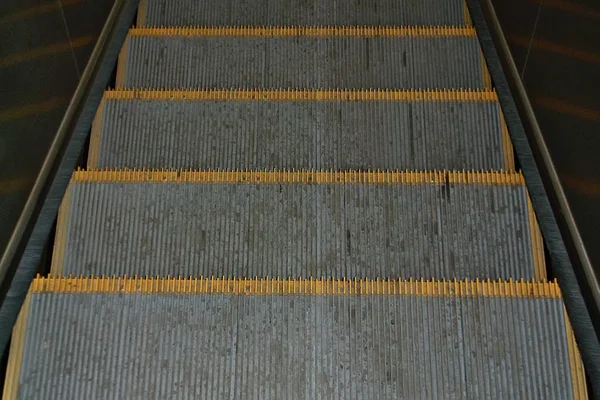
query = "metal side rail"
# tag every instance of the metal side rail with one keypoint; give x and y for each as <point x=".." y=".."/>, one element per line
<point x="20" y="260"/>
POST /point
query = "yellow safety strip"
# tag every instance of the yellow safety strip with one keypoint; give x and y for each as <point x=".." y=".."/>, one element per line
<point x="306" y="94"/>
<point x="389" y="31"/>
<point x="201" y="285"/>
<point x="210" y="176"/>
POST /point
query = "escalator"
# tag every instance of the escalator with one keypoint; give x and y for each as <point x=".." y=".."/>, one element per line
<point x="297" y="200"/>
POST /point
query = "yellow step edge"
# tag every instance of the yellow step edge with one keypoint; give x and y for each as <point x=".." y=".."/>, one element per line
<point x="238" y="176"/>
<point x="266" y="286"/>
<point x="388" y="31"/>
<point x="306" y="94"/>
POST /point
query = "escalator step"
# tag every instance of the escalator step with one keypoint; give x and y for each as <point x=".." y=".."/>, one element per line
<point x="104" y="339"/>
<point x="237" y="129"/>
<point x="323" y="58"/>
<point x="441" y="225"/>
<point x="302" y="12"/>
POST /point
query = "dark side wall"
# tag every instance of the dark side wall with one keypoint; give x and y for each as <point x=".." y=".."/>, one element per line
<point x="556" y="46"/>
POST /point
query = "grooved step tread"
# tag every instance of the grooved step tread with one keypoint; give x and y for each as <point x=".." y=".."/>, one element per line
<point x="337" y="129"/>
<point x="293" y="345"/>
<point x="171" y="223"/>
<point x="231" y="60"/>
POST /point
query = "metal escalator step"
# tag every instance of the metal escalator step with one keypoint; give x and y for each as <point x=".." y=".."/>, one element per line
<point x="303" y="224"/>
<point x="324" y="58"/>
<point x="139" y="339"/>
<point x="302" y="12"/>
<point x="237" y="129"/>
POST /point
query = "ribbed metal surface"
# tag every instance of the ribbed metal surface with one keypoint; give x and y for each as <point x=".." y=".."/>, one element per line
<point x="292" y="230"/>
<point x="350" y="62"/>
<point x="99" y="346"/>
<point x="308" y="134"/>
<point x="312" y="12"/>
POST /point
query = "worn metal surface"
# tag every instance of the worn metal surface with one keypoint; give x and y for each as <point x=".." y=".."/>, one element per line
<point x="352" y="62"/>
<point x="292" y="230"/>
<point x="204" y="134"/>
<point x="312" y="12"/>
<point x="138" y="346"/>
